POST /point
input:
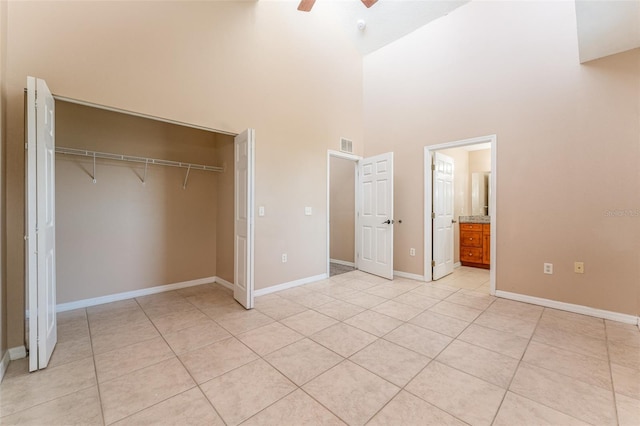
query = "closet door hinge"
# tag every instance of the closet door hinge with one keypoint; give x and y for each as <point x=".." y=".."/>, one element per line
<point x="433" y="167"/>
<point x="433" y="215"/>
<point x="433" y="263"/>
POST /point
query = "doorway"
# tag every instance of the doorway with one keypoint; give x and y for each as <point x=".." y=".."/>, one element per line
<point x="471" y="193"/>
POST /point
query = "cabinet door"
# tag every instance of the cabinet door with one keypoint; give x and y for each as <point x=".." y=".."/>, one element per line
<point x="486" y="249"/>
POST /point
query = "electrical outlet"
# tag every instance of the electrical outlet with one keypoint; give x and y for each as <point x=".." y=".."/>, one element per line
<point x="261" y="211"/>
<point x="412" y="252"/>
<point x="284" y="257"/>
<point x="548" y="268"/>
<point x="578" y="267"/>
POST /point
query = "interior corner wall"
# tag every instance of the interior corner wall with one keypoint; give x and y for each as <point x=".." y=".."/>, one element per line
<point x="3" y="144"/>
<point x="342" y="206"/>
<point x="118" y="234"/>
<point x="225" y="210"/>
<point x="567" y="143"/>
<point x="221" y="65"/>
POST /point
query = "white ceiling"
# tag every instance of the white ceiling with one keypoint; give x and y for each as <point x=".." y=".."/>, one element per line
<point x="607" y="27"/>
<point x="386" y="21"/>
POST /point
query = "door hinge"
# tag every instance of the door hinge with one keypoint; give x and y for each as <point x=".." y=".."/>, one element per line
<point x="433" y="215"/>
<point x="433" y="167"/>
<point x="433" y="263"/>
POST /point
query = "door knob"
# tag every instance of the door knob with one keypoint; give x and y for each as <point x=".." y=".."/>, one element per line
<point x="388" y="222"/>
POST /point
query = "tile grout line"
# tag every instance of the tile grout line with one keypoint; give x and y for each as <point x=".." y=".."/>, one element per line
<point x="613" y="385"/>
<point x="95" y="368"/>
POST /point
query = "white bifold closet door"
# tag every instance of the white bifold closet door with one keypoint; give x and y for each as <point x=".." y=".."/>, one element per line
<point x="40" y="219"/>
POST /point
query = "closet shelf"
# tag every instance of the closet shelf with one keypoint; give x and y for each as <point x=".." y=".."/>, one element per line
<point x="134" y="159"/>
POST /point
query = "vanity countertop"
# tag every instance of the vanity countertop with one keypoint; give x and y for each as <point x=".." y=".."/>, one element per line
<point x="474" y="219"/>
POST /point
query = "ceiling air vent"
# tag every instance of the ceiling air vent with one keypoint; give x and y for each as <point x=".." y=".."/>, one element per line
<point x="346" y="145"/>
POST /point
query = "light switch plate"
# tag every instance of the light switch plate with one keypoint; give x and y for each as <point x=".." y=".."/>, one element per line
<point x="261" y="211"/>
<point x="307" y="211"/>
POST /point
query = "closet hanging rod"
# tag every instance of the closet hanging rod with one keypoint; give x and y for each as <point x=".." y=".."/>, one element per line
<point x="134" y="159"/>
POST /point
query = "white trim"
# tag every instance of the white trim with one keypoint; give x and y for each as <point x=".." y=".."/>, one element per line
<point x="342" y="262"/>
<point x="492" y="139"/>
<point x="62" y="307"/>
<point x="290" y="284"/>
<point x="223" y="283"/>
<point x="18" y="352"/>
<point x="570" y="307"/>
<point x="457" y="265"/>
<point x="139" y="114"/>
<point x="4" y="364"/>
<point x="408" y="275"/>
<point x="355" y="159"/>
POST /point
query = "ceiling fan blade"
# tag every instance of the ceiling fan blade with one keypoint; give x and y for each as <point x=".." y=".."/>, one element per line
<point x="369" y="3"/>
<point x="306" y="5"/>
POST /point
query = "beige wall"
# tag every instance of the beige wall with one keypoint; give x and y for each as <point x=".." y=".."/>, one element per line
<point x="222" y="65"/>
<point x="3" y="269"/>
<point x="119" y="235"/>
<point x="567" y="142"/>
<point x="461" y="189"/>
<point x="342" y="204"/>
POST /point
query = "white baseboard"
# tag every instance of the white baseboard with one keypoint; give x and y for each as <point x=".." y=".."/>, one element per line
<point x="457" y="265"/>
<point x="62" y="307"/>
<point x="408" y="275"/>
<point x="290" y="284"/>
<point x="4" y="364"/>
<point x="578" y="309"/>
<point x="342" y="262"/>
<point x="18" y="352"/>
<point x="224" y="283"/>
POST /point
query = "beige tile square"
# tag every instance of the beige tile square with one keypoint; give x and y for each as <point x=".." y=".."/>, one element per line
<point x="70" y="350"/>
<point x="222" y="311"/>
<point x="106" y="322"/>
<point x="79" y="408"/>
<point x="213" y="360"/>
<point x="339" y="310"/>
<point x="359" y="285"/>
<point x="456" y="311"/>
<point x="418" y="339"/>
<point x="119" y="362"/>
<point x="303" y="360"/>
<point x="179" y="320"/>
<point x="279" y="308"/>
<point x="442" y="324"/>
<point x="143" y="388"/>
<point x="406" y="409"/>
<point x="113" y="308"/>
<point x="17" y="368"/>
<point x="573" y="323"/>
<point x="351" y="392"/>
<point x="390" y="361"/>
<point x="494" y="340"/>
<point x="629" y="334"/>
<point x="581" y="367"/>
<point x="468" y="398"/>
<point x="573" y="342"/>
<point x="471" y="299"/>
<point x="313" y="299"/>
<point x="212" y="301"/>
<point x="388" y="291"/>
<point x="484" y="364"/>
<point x="374" y="323"/>
<point x="199" y="290"/>
<point x="294" y="292"/>
<point x="123" y="336"/>
<point x="243" y="321"/>
<point x="26" y="391"/>
<point x="520" y="327"/>
<point x="297" y="408"/>
<point x="517" y="410"/>
<point x="397" y="310"/>
<point x="308" y="322"/>
<point x="188" y="408"/>
<point x="269" y="338"/>
<point x="621" y="354"/>
<point x="586" y="402"/>
<point x="343" y="339"/>
<point x="195" y="337"/>
<point x="417" y="300"/>
<point x="628" y="410"/>
<point x="73" y="329"/>
<point x="243" y="392"/>
<point x="173" y="306"/>
<point x="71" y="316"/>
<point x="434" y="291"/>
<point x="364" y="300"/>
<point x="626" y="381"/>
<point x="511" y="308"/>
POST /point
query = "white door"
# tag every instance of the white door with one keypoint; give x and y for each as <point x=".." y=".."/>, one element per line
<point x="375" y="215"/>
<point x="243" y="217"/>
<point x="442" y="215"/>
<point x="40" y="216"/>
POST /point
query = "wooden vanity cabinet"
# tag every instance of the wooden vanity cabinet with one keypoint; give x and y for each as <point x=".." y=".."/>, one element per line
<point x="474" y="244"/>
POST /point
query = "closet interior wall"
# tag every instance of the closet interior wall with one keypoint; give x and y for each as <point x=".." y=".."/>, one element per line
<point x="118" y="234"/>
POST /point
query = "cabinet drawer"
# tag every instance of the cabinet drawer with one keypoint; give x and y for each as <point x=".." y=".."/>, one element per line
<point x="471" y="254"/>
<point x="486" y="228"/>
<point x="470" y="239"/>
<point x="471" y="227"/>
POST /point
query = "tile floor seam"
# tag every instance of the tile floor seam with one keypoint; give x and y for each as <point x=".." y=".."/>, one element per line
<point x="613" y="385"/>
<point x="95" y="369"/>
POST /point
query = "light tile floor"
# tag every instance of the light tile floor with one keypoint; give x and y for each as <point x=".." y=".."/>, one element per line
<point x="353" y="349"/>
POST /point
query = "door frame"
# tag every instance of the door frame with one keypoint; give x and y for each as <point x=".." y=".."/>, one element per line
<point x="428" y="199"/>
<point x="355" y="159"/>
